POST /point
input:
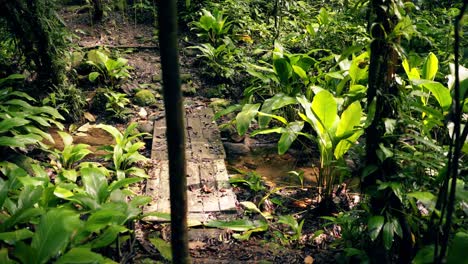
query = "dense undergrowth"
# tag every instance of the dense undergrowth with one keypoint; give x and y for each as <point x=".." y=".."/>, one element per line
<point x="297" y="69"/>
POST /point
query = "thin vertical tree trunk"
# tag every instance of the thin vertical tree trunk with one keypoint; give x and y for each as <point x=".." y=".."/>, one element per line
<point x="98" y="10"/>
<point x="173" y="103"/>
<point x="382" y="93"/>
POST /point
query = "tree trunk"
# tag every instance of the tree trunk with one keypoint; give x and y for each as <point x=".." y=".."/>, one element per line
<point x="98" y="11"/>
<point x="382" y="93"/>
<point x="173" y="103"/>
<point x="24" y="21"/>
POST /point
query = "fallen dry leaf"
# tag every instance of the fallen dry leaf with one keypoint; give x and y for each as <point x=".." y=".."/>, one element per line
<point x="207" y="189"/>
<point x="308" y="260"/>
<point x="196" y="245"/>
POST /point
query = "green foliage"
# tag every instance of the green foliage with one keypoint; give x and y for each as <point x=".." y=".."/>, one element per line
<point x="212" y="26"/>
<point x="220" y="59"/>
<point x="65" y="217"/>
<point x="250" y="179"/>
<point x="294" y="233"/>
<point x="21" y="123"/>
<point x="110" y="71"/>
<point x="124" y="153"/>
<point x="116" y="104"/>
<point x="61" y="231"/>
<point x="287" y="74"/>
<point x="68" y="100"/>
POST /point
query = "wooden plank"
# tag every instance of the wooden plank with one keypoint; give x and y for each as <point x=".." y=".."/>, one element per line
<point x="159" y="148"/>
<point x="164" y="202"/>
<point x="222" y="177"/>
<point x="209" y="193"/>
<point x="194" y="201"/>
<point x="195" y="129"/>
<point x="227" y="198"/>
<point x="152" y="188"/>
<point x="208" y="182"/>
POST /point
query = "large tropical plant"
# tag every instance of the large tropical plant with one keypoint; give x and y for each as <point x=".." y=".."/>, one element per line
<point x="21" y="122"/>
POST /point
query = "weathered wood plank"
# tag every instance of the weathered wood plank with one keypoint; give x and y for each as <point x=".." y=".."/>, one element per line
<point x="209" y="193"/>
<point x="193" y="188"/>
<point x="164" y="202"/>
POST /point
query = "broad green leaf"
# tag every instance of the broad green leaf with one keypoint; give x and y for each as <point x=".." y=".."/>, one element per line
<point x="375" y="225"/>
<point x="4" y="188"/>
<point x="461" y="193"/>
<point x="427" y="198"/>
<point x="277" y="117"/>
<point x="103" y="218"/>
<point x="397" y="227"/>
<point x="24" y="215"/>
<point x="11" y="142"/>
<point x="283" y="69"/>
<point x="53" y="233"/>
<point x="63" y="193"/>
<point x="387" y="234"/>
<point x="93" y="76"/>
<point x="307" y="106"/>
<point x="15" y="76"/>
<point x="69" y="174"/>
<point x="276" y="102"/>
<point x="95" y="183"/>
<point x="277" y="130"/>
<point x="458" y="247"/>
<point x="113" y="131"/>
<point x="289" y="220"/>
<point x="4" y="259"/>
<point x="359" y="68"/>
<point x="252" y="207"/>
<point x="227" y="110"/>
<point x="25" y="106"/>
<point x="441" y="93"/>
<point x="81" y="256"/>
<point x="261" y="226"/>
<point x="235" y="225"/>
<point x="430" y="67"/>
<point x="335" y="75"/>
<point x="14" y="236"/>
<point x="288" y="136"/>
<point x="66" y="138"/>
<point x="325" y="110"/>
<point x="42" y="121"/>
<point x="40" y="132"/>
<point x="425" y="255"/>
<point x="140" y="200"/>
<point x="412" y="73"/>
<point x="163" y="247"/>
<point x="51" y="111"/>
<point x="301" y="73"/>
<point x="345" y="144"/>
<point x="97" y="57"/>
<point x="107" y="237"/>
<point x="29" y="196"/>
<point x="7" y="124"/>
<point x="243" y="119"/>
<point x="350" y="119"/>
<point x="121" y="183"/>
<point x="383" y="152"/>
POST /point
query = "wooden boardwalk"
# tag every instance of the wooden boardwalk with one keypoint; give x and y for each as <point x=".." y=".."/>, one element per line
<point x="209" y="193"/>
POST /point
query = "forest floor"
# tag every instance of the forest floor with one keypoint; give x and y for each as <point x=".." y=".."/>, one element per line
<point x="137" y="43"/>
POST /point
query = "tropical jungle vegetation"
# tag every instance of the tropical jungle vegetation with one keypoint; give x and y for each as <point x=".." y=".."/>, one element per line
<point x="366" y="91"/>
